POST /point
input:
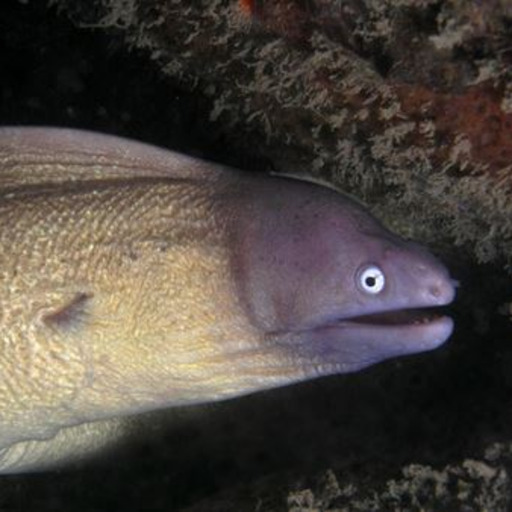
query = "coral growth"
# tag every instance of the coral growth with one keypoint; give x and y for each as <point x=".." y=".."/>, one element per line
<point x="406" y="104"/>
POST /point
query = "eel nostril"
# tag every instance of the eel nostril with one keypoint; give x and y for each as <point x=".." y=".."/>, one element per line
<point x="435" y="291"/>
<point x="442" y="291"/>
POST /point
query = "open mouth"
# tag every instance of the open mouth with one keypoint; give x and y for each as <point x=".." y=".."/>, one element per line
<point x="350" y="344"/>
<point x="400" y="317"/>
<point x="396" y="332"/>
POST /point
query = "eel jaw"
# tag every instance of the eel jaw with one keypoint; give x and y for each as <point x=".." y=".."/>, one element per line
<point x="408" y="330"/>
<point x="351" y="344"/>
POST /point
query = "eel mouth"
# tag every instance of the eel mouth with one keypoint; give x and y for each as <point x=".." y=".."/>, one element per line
<point x="350" y="344"/>
<point x="405" y="317"/>
<point x="397" y="331"/>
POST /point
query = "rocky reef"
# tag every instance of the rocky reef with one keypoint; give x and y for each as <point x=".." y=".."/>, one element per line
<point x="407" y="104"/>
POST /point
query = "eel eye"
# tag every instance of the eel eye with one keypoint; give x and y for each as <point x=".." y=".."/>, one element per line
<point x="371" y="279"/>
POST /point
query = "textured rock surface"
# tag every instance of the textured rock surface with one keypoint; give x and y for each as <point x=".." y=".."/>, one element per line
<point x="472" y="486"/>
<point x="408" y="104"/>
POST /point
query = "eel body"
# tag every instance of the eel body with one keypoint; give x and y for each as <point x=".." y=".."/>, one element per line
<point x="133" y="278"/>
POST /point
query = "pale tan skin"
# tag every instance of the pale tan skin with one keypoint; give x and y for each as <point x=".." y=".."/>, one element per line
<point x="120" y="293"/>
<point x="126" y="348"/>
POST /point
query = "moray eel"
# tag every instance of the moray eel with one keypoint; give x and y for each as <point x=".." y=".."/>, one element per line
<point x="133" y="278"/>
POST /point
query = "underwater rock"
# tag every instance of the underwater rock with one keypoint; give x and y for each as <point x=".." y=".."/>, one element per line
<point x="407" y="105"/>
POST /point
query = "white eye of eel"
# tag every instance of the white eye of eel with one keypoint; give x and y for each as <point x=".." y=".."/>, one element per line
<point x="371" y="279"/>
